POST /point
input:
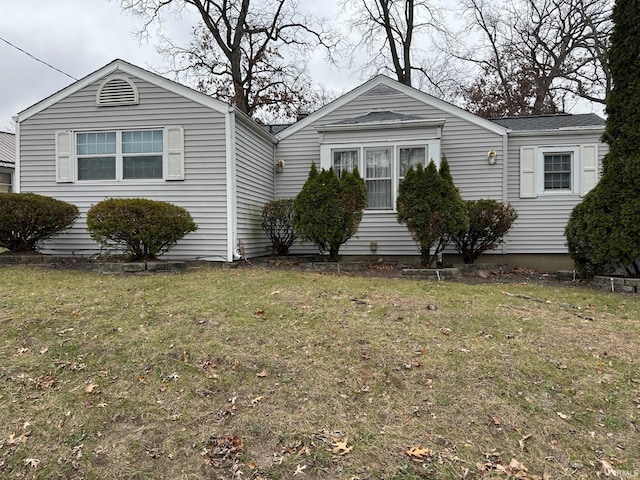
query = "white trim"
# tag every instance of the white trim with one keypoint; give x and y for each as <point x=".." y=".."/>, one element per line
<point x="541" y="151"/>
<point x="401" y="88"/>
<point x="505" y="186"/>
<point x="129" y="69"/>
<point x="230" y="135"/>
<point x="16" y="172"/>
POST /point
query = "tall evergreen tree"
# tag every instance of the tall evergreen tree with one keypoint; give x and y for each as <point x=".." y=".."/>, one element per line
<point x="603" y="231"/>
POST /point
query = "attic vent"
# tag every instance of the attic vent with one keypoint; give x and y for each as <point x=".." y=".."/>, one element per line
<point x="116" y="91"/>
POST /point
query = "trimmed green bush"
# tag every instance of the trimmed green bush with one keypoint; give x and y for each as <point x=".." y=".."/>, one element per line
<point x="430" y="206"/>
<point x="277" y="222"/>
<point x="142" y="228"/>
<point x="26" y="219"/>
<point x="489" y="221"/>
<point x="328" y="209"/>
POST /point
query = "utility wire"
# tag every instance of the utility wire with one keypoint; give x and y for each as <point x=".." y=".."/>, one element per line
<point x="37" y="59"/>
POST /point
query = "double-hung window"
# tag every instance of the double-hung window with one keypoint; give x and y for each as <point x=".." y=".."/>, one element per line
<point x="120" y="155"/>
<point x="5" y="182"/>
<point x="557" y="171"/>
<point x="378" y="177"/>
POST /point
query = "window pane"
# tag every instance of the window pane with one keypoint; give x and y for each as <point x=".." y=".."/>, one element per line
<point x="142" y="167"/>
<point x="102" y="143"/>
<point x="146" y="141"/>
<point x="557" y="171"/>
<point x="379" y="194"/>
<point x="344" y="160"/>
<point x="97" y="168"/>
<point x="5" y="182"/>
<point x="411" y="157"/>
<point x="378" y="163"/>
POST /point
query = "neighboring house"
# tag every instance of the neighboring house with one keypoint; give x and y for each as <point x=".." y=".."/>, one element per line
<point x="123" y="131"/>
<point x="7" y="161"/>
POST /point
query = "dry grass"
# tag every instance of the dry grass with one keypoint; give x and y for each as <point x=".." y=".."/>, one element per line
<point x="261" y="374"/>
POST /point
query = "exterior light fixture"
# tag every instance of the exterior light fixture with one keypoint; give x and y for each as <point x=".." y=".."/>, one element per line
<point x="492" y="157"/>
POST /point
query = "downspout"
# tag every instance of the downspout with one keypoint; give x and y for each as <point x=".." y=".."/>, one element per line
<point x="232" y="205"/>
<point x="505" y="179"/>
<point x="15" y="183"/>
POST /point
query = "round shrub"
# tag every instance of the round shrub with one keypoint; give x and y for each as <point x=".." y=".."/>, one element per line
<point x="142" y="228"/>
<point x="26" y="219"/>
<point x="277" y="218"/>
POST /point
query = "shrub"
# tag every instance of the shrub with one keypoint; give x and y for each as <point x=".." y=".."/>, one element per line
<point x="430" y="206"/>
<point x="142" y="228"/>
<point x="26" y="219"/>
<point x="328" y="209"/>
<point x="277" y="218"/>
<point x="489" y="221"/>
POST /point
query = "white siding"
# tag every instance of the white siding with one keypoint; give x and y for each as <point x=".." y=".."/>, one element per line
<point x="254" y="187"/>
<point x="465" y="145"/>
<point x="203" y="192"/>
<point x="542" y="220"/>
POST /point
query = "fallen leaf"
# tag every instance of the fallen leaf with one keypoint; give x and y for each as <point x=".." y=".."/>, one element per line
<point x="44" y="350"/>
<point x="340" y="446"/>
<point x="607" y="469"/>
<point x="262" y="374"/>
<point x="299" y="469"/>
<point x="91" y="388"/>
<point x="563" y="416"/>
<point x="31" y="462"/>
<point x="522" y="440"/>
<point x="256" y="400"/>
<point x="236" y="364"/>
<point x="13" y="440"/>
<point x="419" y="454"/>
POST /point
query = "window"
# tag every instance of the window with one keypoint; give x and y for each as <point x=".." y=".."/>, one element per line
<point x="377" y="175"/>
<point x="382" y="166"/>
<point x="557" y="171"/>
<point x="120" y="155"/>
<point x="142" y="154"/>
<point x="344" y="160"/>
<point x="5" y="182"/>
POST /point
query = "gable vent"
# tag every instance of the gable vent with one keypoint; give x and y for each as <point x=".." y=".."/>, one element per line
<point x="116" y="91"/>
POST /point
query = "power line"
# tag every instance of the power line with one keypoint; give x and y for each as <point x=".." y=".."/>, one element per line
<point x="37" y="59"/>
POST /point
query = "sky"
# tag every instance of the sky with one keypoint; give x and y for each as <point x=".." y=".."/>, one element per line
<point x="81" y="36"/>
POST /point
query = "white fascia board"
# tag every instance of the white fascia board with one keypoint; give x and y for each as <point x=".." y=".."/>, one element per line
<point x="558" y="132"/>
<point x="402" y="88"/>
<point x="16" y="173"/>
<point x="128" y="68"/>
<point x="438" y="122"/>
<point x="230" y="120"/>
<point x="253" y="126"/>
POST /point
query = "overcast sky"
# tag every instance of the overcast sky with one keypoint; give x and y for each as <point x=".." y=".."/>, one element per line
<point x="81" y="36"/>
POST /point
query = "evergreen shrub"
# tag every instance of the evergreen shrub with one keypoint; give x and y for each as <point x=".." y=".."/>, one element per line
<point x="277" y="222"/>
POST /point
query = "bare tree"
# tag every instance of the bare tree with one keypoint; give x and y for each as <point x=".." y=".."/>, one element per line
<point x="250" y="53"/>
<point x="537" y="56"/>
<point x="399" y="36"/>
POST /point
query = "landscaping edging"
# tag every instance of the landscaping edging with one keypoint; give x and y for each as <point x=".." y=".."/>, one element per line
<point x="93" y="265"/>
<point x="617" y="284"/>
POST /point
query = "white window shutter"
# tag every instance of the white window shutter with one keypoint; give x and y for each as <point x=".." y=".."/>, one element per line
<point x="528" y="172"/>
<point x="589" y="170"/>
<point x="174" y="153"/>
<point x="64" y="157"/>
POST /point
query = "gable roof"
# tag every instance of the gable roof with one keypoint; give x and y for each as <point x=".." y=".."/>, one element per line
<point x="385" y="116"/>
<point x="7" y="149"/>
<point x="130" y="69"/>
<point x="401" y="88"/>
<point x="563" y="121"/>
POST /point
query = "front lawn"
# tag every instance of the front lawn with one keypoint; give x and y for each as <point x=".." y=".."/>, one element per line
<point x="257" y="374"/>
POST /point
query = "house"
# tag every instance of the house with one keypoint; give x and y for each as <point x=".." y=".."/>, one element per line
<point x="123" y="131"/>
<point x="7" y="160"/>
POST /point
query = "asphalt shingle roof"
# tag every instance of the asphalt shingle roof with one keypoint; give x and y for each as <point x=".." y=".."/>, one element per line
<point x="550" y="122"/>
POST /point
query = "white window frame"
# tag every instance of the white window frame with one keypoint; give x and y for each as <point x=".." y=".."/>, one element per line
<point x="432" y="147"/>
<point x="574" y="151"/>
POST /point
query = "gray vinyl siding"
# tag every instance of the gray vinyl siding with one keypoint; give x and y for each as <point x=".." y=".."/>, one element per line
<point x="542" y="220"/>
<point x="202" y="193"/>
<point x="465" y="144"/>
<point x="254" y="186"/>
